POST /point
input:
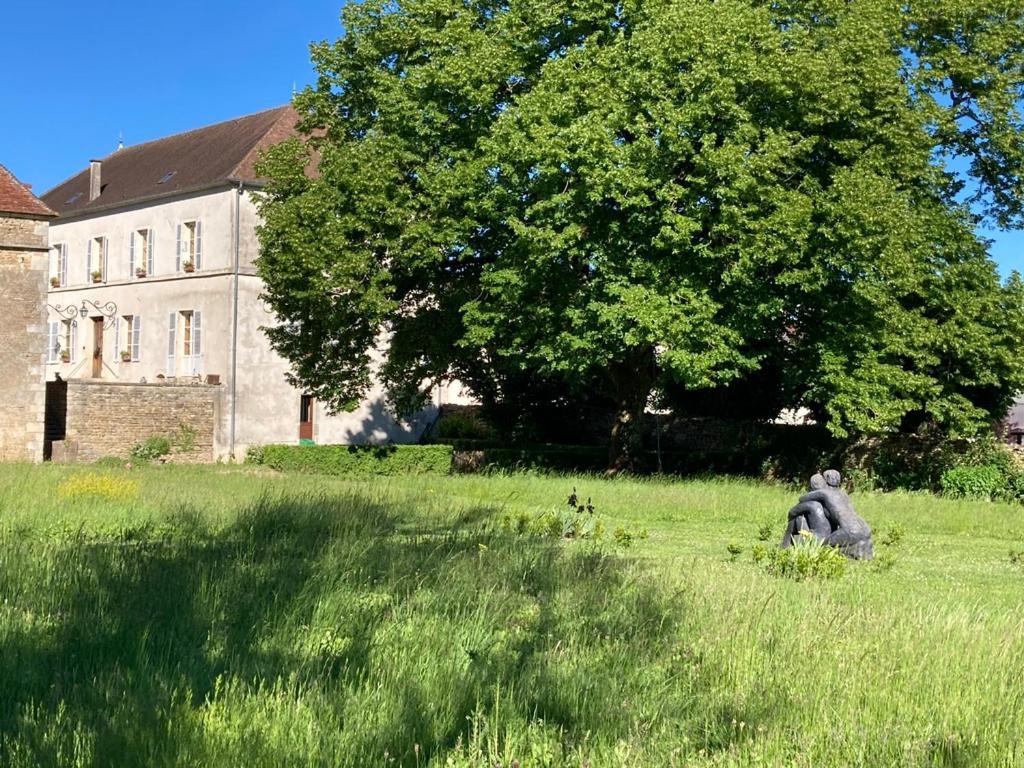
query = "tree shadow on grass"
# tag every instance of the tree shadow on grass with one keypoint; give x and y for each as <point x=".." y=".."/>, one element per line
<point x="106" y="642"/>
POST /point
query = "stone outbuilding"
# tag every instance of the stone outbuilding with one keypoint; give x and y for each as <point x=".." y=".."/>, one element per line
<point x="24" y="262"/>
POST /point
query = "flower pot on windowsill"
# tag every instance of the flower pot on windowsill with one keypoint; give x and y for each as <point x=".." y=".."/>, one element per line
<point x="140" y="272"/>
<point x="189" y="267"/>
<point x="65" y="358"/>
<point x="126" y="357"/>
<point x="55" y="282"/>
<point x="97" y="277"/>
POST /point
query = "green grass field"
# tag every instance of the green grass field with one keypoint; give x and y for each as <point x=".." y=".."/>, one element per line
<point x="227" y="616"/>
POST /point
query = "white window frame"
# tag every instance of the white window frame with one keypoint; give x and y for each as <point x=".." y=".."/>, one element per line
<point x="133" y="265"/>
<point x="70" y="339"/>
<point x="104" y="259"/>
<point x="190" y="357"/>
<point x="187" y="250"/>
<point x="130" y="340"/>
<point x="60" y="270"/>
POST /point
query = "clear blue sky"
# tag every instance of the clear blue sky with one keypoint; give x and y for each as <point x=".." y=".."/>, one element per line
<point x="75" y="74"/>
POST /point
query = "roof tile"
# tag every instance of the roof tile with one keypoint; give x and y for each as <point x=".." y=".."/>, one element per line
<point x="16" y="198"/>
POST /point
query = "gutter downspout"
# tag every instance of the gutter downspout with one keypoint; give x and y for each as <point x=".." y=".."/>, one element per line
<point x="234" y="316"/>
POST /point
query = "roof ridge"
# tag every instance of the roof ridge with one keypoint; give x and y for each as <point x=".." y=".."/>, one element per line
<point x="143" y="144"/>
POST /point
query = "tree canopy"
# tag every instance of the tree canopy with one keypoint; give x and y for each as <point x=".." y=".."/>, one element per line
<point x="655" y="197"/>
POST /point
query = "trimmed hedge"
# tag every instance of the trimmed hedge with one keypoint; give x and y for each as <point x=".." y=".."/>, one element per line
<point x="594" y="459"/>
<point x="360" y="459"/>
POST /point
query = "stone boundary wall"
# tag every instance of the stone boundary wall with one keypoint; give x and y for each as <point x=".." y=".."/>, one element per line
<point x="23" y="268"/>
<point x="109" y="418"/>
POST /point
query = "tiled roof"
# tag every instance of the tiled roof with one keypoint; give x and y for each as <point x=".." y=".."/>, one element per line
<point x="193" y="160"/>
<point x="15" y="197"/>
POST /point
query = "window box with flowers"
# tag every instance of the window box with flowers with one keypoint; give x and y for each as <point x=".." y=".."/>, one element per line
<point x="141" y="272"/>
<point x="97" y="276"/>
<point x="126" y="356"/>
<point x="65" y="357"/>
<point x="55" y="282"/>
<point x="189" y="266"/>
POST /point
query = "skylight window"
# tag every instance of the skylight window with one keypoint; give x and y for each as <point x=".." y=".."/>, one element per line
<point x="74" y="198"/>
<point x="167" y="177"/>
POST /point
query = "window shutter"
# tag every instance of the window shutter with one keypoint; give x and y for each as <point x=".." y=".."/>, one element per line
<point x="177" y="252"/>
<point x="53" y="343"/>
<point x="151" y="266"/>
<point x="198" y="258"/>
<point x="172" y="341"/>
<point x="106" y="251"/>
<point x="63" y="264"/>
<point x="74" y="341"/>
<point x="88" y="262"/>
<point x="136" y="338"/>
<point x="131" y="255"/>
<point x="197" y="341"/>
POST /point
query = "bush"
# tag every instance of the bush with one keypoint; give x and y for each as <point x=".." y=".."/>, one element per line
<point x="360" y="459"/>
<point x="463" y="426"/>
<point x="985" y="482"/>
<point x="254" y="454"/>
<point x="152" y="448"/>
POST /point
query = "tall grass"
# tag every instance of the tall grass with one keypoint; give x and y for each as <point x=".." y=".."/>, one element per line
<point x="214" y="617"/>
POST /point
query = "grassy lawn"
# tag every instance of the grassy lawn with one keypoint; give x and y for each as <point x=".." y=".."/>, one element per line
<point x="225" y="616"/>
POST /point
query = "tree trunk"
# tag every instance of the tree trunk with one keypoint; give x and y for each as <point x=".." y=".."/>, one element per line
<point x="632" y="388"/>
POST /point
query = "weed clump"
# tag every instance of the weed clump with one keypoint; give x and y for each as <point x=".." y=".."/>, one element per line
<point x="808" y="558"/>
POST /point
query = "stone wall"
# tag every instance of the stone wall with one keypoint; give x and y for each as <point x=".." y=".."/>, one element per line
<point x="110" y="418"/>
<point x="23" y="272"/>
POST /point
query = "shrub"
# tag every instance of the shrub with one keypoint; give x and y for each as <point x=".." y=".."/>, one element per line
<point x="360" y="459"/>
<point x="254" y="454"/>
<point x="463" y="426"/>
<point x="151" y="449"/>
<point x="985" y="482"/>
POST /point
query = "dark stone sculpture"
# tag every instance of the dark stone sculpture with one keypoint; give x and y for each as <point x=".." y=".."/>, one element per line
<point x="827" y="513"/>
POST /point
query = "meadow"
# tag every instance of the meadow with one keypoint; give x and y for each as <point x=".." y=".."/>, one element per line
<point x="220" y="616"/>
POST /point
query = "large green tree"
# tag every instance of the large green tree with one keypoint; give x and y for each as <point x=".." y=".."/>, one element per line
<point x="651" y="196"/>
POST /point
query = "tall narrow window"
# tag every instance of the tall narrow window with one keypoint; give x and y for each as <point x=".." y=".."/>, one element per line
<point x="69" y="351"/>
<point x="186" y="334"/>
<point x="96" y="260"/>
<point x="59" y="277"/>
<point x="189" y="247"/>
<point x="128" y="330"/>
<point x="140" y="253"/>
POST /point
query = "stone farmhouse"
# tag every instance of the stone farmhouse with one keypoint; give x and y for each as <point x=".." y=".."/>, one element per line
<point x="153" y="284"/>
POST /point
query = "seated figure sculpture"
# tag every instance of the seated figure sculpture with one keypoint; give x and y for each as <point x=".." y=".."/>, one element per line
<point x="808" y="515"/>
<point x="827" y="513"/>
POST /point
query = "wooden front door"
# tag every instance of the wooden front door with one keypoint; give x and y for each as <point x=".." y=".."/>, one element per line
<point x="306" y="418"/>
<point x="97" y="347"/>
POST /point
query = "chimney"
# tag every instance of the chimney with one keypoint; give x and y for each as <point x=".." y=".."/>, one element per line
<point x="94" y="179"/>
